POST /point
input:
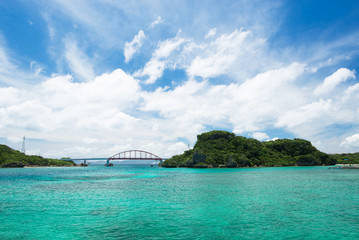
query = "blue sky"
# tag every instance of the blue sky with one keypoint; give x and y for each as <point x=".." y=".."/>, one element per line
<point x="93" y="78"/>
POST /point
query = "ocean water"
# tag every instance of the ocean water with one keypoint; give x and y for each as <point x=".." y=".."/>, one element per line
<point x="140" y="202"/>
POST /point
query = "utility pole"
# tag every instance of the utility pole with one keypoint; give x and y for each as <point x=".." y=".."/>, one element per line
<point x="23" y="150"/>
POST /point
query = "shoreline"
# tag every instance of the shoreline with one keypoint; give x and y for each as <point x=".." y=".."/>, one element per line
<point x="252" y="167"/>
<point x="51" y="166"/>
<point x="54" y="166"/>
<point x="46" y="166"/>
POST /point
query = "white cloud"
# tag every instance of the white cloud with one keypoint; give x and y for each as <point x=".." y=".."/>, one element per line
<point x="211" y="33"/>
<point x="176" y="148"/>
<point x="351" y="93"/>
<point x="154" y="68"/>
<point x="316" y="114"/>
<point x="245" y="107"/>
<point x="205" y="60"/>
<point x="260" y="136"/>
<point x="155" y="22"/>
<point x="36" y="68"/>
<point x="265" y="97"/>
<point x="11" y="74"/>
<point x="351" y="142"/>
<point x="273" y="139"/>
<point x="98" y="117"/>
<point x="309" y="113"/>
<point x="67" y="108"/>
<point x="5" y="65"/>
<point x="341" y="75"/>
<point x="134" y="46"/>
<point x="82" y="151"/>
<point x="14" y="139"/>
<point x="89" y="140"/>
<point x="50" y="26"/>
<point x="78" y="61"/>
<point x="217" y="57"/>
<point x="9" y="96"/>
<point x="167" y="47"/>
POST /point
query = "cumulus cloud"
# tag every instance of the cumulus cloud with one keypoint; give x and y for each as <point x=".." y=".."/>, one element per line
<point x="308" y="113"/>
<point x="341" y="75"/>
<point x="316" y="114"/>
<point x="86" y="118"/>
<point x="134" y="46"/>
<point x="351" y="142"/>
<point x="266" y="97"/>
<point x="351" y="93"/>
<point x="58" y="103"/>
<point x="260" y="136"/>
<point x="321" y="117"/>
<point x="270" y="99"/>
<point x="250" y="106"/>
<point x="273" y="139"/>
<point x="113" y="108"/>
<point x="9" y="96"/>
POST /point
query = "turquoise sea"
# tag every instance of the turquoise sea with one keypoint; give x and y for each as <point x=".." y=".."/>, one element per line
<point x="140" y="202"/>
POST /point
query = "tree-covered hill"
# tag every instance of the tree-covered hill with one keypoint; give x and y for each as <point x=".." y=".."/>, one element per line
<point x="13" y="158"/>
<point x="225" y="149"/>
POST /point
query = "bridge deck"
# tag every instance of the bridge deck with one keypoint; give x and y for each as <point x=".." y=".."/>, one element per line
<point x="126" y="155"/>
<point x="105" y="159"/>
<point x="82" y="159"/>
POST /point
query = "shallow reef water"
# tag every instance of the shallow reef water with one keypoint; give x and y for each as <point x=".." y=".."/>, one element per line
<point x="142" y="202"/>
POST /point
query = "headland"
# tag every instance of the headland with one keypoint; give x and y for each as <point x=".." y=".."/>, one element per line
<point x="225" y="149"/>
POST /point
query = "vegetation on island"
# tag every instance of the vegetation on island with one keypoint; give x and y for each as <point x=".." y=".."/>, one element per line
<point x="225" y="149"/>
<point x="346" y="158"/>
<point x="13" y="158"/>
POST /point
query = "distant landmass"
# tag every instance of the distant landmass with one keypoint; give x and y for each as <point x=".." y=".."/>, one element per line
<point x="346" y="158"/>
<point x="13" y="158"/>
<point x="225" y="149"/>
<point x="216" y="149"/>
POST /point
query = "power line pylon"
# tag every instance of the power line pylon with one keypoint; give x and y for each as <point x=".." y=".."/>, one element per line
<point x="23" y="150"/>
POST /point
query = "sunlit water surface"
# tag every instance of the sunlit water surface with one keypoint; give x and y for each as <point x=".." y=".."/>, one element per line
<point x="142" y="202"/>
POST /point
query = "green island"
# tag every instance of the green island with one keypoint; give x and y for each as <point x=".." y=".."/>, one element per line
<point x="225" y="149"/>
<point x="13" y="158"/>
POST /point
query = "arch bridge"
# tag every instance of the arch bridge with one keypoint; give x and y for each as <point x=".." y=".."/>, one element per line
<point x="134" y="155"/>
<point x="126" y="155"/>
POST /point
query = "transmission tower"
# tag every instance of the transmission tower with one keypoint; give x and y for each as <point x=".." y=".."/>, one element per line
<point x="23" y="150"/>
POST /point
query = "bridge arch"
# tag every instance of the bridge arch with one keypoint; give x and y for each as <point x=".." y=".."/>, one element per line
<point x="134" y="155"/>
